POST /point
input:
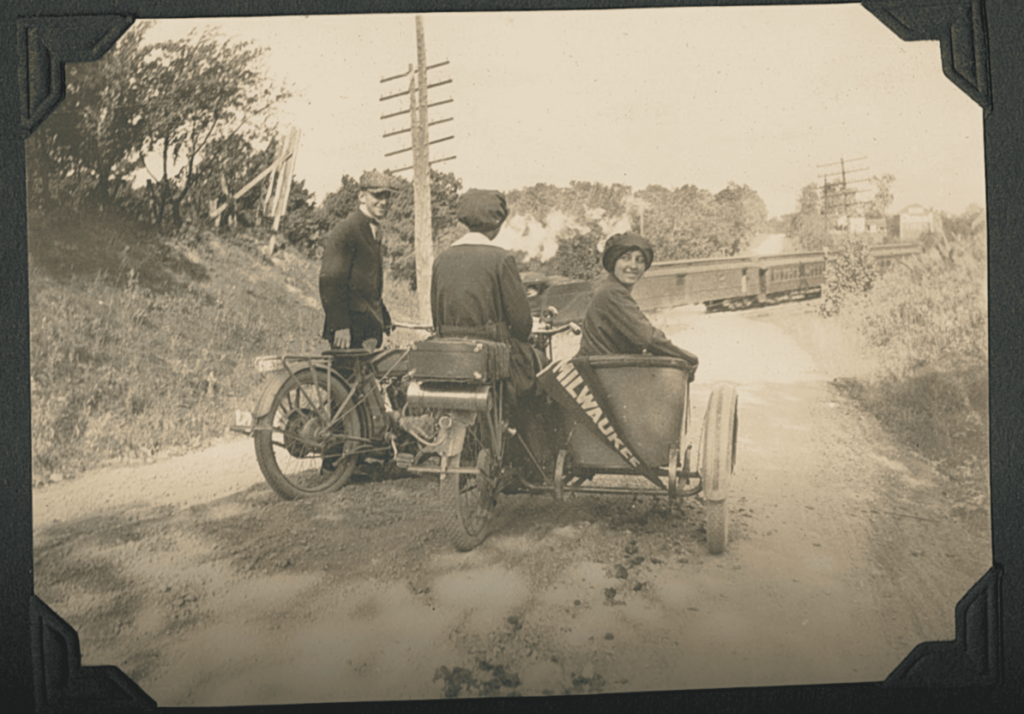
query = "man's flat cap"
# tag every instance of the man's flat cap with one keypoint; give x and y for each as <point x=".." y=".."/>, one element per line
<point x="377" y="181"/>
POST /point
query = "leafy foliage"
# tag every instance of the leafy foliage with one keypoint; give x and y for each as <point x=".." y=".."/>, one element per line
<point x="203" y="91"/>
<point x="399" y="236"/>
<point x="740" y="214"/>
<point x="680" y="223"/>
<point x="809" y="226"/>
<point x="931" y="310"/>
<point x="686" y="222"/>
<point x="92" y="142"/>
<point x="399" y="226"/>
<point x="849" y="270"/>
<point x="576" y="257"/>
<point x="192" y="112"/>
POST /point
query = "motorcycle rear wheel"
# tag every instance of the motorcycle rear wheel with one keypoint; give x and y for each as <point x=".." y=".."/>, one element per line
<point x="291" y="451"/>
<point x="468" y="500"/>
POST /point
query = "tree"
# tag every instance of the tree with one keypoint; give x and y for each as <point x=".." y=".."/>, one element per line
<point x="399" y="240"/>
<point x="681" y="223"/>
<point x="201" y="92"/>
<point x="742" y="213"/>
<point x="577" y="255"/>
<point x="92" y="142"/>
<point x="810" y="227"/>
<point x="577" y="218"/>
<point x="199" y="106"/>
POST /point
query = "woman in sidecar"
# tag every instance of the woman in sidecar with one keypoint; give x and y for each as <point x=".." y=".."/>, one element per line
<point x="614" y="323"/>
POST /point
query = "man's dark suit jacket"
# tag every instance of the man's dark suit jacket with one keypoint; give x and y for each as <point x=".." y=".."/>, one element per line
<point x="351" y="275"/>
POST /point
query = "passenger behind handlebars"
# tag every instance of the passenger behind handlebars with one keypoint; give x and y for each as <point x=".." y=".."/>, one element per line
<point x="477" y="291"/>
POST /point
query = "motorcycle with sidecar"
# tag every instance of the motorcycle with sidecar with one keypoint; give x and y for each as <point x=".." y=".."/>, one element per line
<point x="439" y="407"/>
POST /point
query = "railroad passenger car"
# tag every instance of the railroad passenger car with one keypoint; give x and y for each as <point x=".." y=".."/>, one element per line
<point x="791" y="276"/>
<point x="712" y="281"/>
<point x="717" y="283"/>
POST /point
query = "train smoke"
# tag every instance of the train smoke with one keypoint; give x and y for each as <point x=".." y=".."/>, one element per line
<point x="536" y="239"/>
<point x="540" y="239"/>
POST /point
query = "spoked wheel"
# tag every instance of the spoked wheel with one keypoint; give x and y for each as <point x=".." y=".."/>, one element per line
<point x="717" y="460"/>
<point x="306" y="449"/>
<point x="468" y="500"/>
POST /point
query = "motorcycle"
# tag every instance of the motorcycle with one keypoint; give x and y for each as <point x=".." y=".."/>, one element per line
<point x="435" y="407"/>
<point x="439" y="407"/>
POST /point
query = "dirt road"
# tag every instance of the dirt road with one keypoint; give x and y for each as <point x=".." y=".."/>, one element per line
<point x="191" y="576"/>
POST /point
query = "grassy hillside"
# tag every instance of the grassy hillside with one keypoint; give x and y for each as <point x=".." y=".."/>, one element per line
<point x="140" y="346"/>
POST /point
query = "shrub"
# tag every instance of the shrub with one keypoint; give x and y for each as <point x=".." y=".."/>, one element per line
<point x="928" y="312"/>
<point x="849" y="270"/>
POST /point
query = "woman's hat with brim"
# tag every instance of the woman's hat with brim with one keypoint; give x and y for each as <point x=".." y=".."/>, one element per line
<point x="481" y="210"/>
<point x="621" y="243"/>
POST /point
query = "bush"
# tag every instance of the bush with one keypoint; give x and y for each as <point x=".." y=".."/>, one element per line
<point x="930" y="312"/>
<point x="849" y="270"/>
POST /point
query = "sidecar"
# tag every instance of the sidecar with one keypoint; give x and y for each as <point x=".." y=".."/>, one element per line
<point x="627" y="416"/>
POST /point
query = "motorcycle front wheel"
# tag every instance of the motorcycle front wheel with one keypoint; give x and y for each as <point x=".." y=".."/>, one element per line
<point x="304" y="445"/>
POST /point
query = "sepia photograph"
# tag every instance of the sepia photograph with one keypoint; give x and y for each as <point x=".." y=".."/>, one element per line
<point x="469" y="355"/>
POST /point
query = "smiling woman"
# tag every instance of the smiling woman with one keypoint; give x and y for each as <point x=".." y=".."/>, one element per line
<point x="614" y="323"/>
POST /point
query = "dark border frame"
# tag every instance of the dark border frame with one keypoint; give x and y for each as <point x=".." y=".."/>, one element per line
<point x="980" y="53"/>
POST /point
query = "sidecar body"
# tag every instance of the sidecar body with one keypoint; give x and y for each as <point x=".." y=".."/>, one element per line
<point x="627" y="417"/>
<point x="622" y="413"/>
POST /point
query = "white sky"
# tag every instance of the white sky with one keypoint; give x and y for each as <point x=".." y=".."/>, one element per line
<point x="675" y="96"/>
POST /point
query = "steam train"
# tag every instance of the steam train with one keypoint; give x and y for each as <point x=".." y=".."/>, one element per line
<point x="717" y="283"/>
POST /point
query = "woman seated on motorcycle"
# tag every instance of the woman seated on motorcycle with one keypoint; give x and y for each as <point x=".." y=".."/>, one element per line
<point x="614" y="323"/>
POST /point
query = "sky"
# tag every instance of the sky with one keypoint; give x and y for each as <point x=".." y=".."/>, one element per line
<point x="762" y="96"/>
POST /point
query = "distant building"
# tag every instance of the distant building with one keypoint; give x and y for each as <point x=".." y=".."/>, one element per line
<point x="876" y="228"/>
<point x="873" y="228"/>
<point x="915" y="221"/>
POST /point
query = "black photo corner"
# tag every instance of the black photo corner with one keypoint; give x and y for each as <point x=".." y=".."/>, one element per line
<point x="983" y="669"/>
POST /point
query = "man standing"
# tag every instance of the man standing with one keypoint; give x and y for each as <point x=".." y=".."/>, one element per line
<point x="352" y="272"/>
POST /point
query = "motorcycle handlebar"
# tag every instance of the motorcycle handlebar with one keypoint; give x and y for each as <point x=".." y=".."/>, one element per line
<point x="408" y="326"/>
<point x="557" y="330"/>
<point x="551" y="331"/>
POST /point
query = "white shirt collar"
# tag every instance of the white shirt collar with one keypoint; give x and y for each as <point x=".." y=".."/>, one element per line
<point x="472" y="238"/>
<point x="374" y="223"/>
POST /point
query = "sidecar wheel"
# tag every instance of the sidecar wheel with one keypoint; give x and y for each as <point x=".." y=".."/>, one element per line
<point x="717" y="460"/>
<point x="293" y="439"/>
<point x="468" y="500"/>
<point x="716" y="523"/>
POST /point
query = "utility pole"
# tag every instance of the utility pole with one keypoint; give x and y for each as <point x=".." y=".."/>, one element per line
<point x="836" y="182"/>
<point x="420" y="148"/>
